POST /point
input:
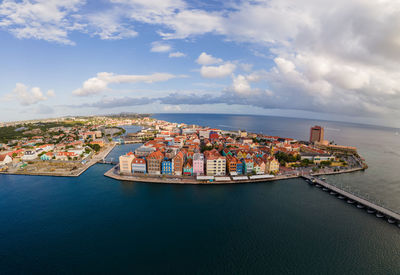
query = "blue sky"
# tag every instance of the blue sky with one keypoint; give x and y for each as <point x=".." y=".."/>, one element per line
<point x="314" y="59"/>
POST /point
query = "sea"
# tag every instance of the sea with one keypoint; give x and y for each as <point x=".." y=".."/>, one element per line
<point x="97" y="225"/>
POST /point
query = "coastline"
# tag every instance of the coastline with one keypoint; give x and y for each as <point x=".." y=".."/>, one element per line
<point x="183" y="180"/>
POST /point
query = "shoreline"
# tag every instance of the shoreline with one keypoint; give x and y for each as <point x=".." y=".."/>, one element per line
<point x="181" y="180"/>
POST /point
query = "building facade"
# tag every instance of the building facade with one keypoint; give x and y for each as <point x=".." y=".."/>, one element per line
<point x="316" y="134"/>
<point x="166" y="167"/>
<point x="215" y="163"/>
<point x="139" y="166"/>
<point x="125" y="163"/>
<point x="154" y="163"/>
<point x="198" y="164"/>
<point x="178" y="162"/>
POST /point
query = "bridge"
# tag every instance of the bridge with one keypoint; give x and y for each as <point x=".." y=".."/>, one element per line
<point x="390" y="214"/>
<point x="110" y="161"/>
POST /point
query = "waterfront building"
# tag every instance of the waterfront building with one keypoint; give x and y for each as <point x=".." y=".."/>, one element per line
<point x="166" y="167"/>
<point x="239" y="167"/>
<point x="215" y="163"/>
<point x="154" y="163"/>
<point x="188" y="168"/>
<point x="316" y="134"/>
<point x="138" y="166"/>
<point x="259" y="166"/>
<point x="125" y="163"/>
<point x="248" y="165"/>
<point x="178" y="161"/>
<point x="198" y="164"/>
<point x="231" y="164"/>
<point x="272" y="165"/>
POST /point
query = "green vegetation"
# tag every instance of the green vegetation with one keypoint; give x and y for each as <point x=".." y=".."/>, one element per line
<point x="9" y="133"/>
<point x="325" y="163"/>
<point x="283" y="158"/>
<point x="95" y="147"/>
<point x="206" y="148"/>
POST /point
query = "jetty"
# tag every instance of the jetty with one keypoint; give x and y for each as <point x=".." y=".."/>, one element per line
<point x="360" y="201"/>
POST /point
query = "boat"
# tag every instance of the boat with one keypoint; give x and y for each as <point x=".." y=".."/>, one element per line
<point x="325" y="189"/>
<point x="379" y="215"/>
<point x="317" y="185"/>
<point x="323" y="179"/>
<point x="360" y="206"/>
<point x="370" y="211"/>
<point x="341" y="197"/>
<point x="391" y="220"/>
<point x="333" y="193"/>
<point x="350" y="201"/>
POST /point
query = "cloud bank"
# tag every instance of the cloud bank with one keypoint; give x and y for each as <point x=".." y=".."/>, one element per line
<point x="100" y="83"/>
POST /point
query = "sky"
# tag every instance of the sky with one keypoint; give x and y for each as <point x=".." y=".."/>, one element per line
<point x="319" y="59"/>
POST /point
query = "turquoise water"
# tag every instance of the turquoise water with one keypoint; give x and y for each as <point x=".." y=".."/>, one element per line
<point x="93" y="224"/>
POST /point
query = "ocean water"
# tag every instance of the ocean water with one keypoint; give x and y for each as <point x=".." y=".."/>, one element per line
<point x="94" y="224"/>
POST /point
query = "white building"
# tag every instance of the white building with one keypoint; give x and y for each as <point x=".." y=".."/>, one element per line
<point x="29" y="155"/>
<point x="5" y="159"/>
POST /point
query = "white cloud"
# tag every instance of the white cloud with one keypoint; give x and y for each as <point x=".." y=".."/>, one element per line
<point x="177" y="54"/>
<point x="217" y="71"/>
<point x="41" y="19"/>
<point x="99" y="84"/>
<point x="26" y="96"/>
<point x="50" y="93"/>
<point x="207" y="59"/>
<point x="109" y="25"/>
<point x="241" y="85"/>
<point x="246" y="67"/>
<point x="160" y="47"/>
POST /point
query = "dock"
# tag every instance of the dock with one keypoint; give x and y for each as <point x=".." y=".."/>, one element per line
<point x="387" y="212"/>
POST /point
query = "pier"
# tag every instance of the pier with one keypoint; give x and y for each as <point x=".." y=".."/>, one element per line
<point x="387" y="212"/>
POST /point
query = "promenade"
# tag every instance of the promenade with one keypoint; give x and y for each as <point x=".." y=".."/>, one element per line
<point x="114" y="174"/>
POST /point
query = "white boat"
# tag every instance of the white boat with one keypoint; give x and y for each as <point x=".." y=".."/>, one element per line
<point x="391" y="220"/>
<point x="350" y="201"/>
<point x="333" y="193"/>
<point x="325" y="189"/>
<point x="370" y="211"/>
<point x="341" y="197"/>
<point x="360" y="206"/>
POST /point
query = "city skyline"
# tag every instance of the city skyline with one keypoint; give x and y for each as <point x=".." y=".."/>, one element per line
<point x="318" y="60"/>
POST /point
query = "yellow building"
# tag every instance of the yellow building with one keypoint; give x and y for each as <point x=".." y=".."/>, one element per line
<point x="125" y="163"/>
<point x="272" y="165"/>
<point x="215" y="163"/>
